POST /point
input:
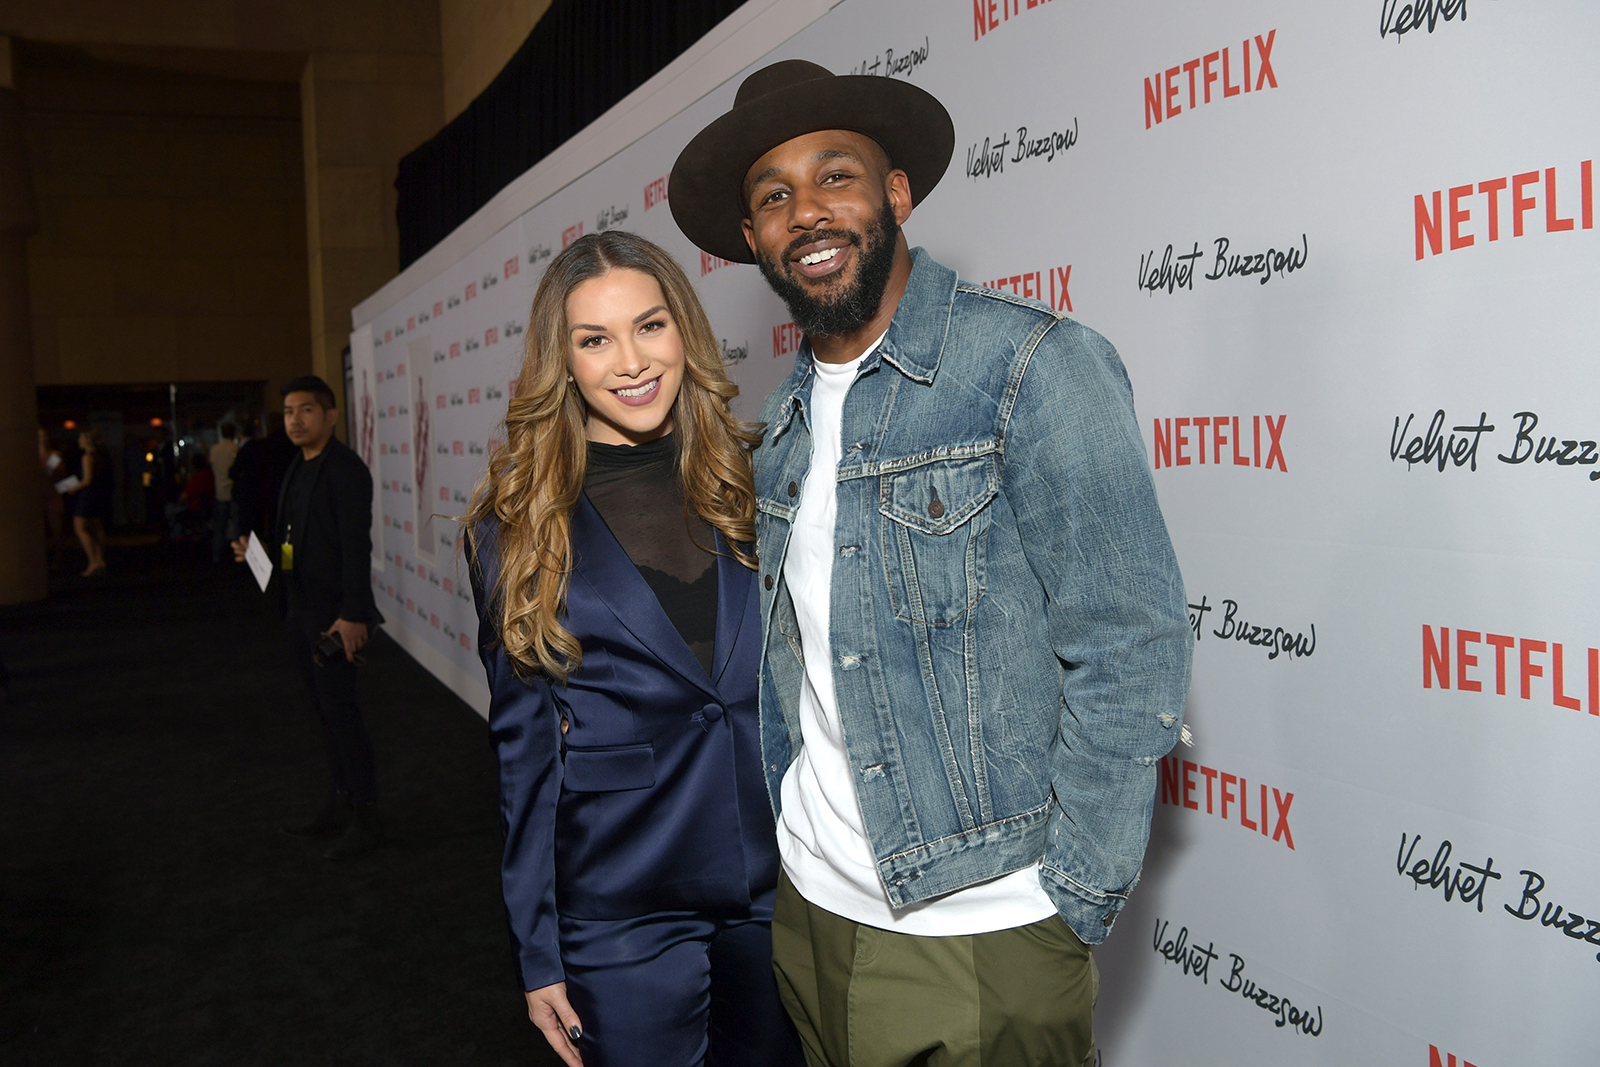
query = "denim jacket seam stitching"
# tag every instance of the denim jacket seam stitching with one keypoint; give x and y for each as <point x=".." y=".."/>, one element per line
<point x="926" y="845"/>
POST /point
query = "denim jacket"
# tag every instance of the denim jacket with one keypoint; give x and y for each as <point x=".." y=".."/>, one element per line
<point x="1008" y="625"/>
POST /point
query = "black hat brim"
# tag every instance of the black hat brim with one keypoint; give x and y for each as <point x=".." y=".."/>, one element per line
<point x="705" y="189"/>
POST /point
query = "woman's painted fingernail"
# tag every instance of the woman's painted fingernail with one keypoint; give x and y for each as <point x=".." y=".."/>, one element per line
<point x="574" y="1032"/>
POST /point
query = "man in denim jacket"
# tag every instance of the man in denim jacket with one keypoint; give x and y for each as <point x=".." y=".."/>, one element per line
<point x="975" y="644"/>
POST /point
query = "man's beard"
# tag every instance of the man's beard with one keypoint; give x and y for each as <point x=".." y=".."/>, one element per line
<point x="844" y="308"/>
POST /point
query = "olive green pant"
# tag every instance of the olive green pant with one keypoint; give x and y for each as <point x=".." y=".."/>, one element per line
<point x="865" y="997"/>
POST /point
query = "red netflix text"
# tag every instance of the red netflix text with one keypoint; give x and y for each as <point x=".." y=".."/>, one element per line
<point x="655" y="193"/>
<point x="1034" y="287"/>
<point x="510" y="268"/>
<point x="709" y="263"/>
<point x="1163" y="98"/>
<point x="989" y="14"/>
<point x="438" y="308"/>
<point x="1467" y="647"/>
<point x="1180" y="788"/>
<point x="1449" y="209"/>
<point x="571" y="234"/>
<point x="455" y="349"/>
<point x="1224" y="438"/>
<point x="491" y="335"/>
<point x="471" y="290"/>
<point x="1437" y="1059"/>
<point x="786" y="339"/>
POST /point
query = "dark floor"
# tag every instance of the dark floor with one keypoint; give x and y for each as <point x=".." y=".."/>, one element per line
<point x="150" y="910"/>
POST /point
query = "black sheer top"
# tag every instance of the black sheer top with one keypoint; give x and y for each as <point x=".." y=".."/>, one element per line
<point x="635" y="489"/>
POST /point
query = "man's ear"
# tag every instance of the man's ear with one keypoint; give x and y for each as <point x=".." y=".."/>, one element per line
<point x="897" y="187"/>
<point x="749" y="235"/>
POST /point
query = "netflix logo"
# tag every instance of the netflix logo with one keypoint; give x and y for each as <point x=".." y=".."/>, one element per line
<point x="786" y="339"/>
<point x="571" y="234"/>
<point x="1172" y="441"/>
<point x="1437" y="649"/>
<point x="1033" y="287"/>
<point x="491" y="336"/>
<point x="474" y="396"/>
<point x="441" y="402"/>
<point x="411" y="323"/>
<point x="444" y="495"/>
<point x="458" y="448"/>
<point x="987" y="15"/>
<point x="1435" y="1058"/>
<point x="455" y="349"/>
<point x="1180" y="788"/>
<point x="438" y="308"/>
<point x="1452" y="209"/>
<point x="510" y="267"/>
<point x="471" y="291"/>
<point x="709" y="263"/>
<point x="655" y="193"/>
<point x="1163" y="96"/>
<point x="464" y="642"/>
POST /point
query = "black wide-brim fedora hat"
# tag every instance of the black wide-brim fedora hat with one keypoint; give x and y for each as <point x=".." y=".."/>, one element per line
<point x="786" y="100"/>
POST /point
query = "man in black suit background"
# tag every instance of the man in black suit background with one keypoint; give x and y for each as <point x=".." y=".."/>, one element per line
<point x="324" y="524"/>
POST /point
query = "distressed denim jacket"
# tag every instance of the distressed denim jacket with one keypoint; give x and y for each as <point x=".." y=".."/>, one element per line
<point x="1009" y="634"/>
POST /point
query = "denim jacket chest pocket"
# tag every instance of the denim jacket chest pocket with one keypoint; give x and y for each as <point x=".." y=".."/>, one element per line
<point x="935" y="526"/>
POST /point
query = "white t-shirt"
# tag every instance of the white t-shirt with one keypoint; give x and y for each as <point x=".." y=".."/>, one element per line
<point x="821" y="835"/>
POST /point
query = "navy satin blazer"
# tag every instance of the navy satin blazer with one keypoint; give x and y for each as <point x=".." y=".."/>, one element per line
<point x="654" y="800"/>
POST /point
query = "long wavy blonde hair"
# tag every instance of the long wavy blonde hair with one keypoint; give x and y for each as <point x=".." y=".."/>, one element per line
<point x="532" y="483"/>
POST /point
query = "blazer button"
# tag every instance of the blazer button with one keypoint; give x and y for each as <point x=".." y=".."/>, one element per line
<point x="793" y="488"/>
<point x="712" y="712"/>
<point x="936" y="510"/>
<point x="767" y="581"/>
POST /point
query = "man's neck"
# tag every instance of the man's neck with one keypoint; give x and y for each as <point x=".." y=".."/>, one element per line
<point x="842" y="348"/>
<point x="312" y="451"/>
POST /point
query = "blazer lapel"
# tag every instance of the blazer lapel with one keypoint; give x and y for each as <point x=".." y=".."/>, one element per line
<point x="734" y="583"/>
<point x="603" y="564"/>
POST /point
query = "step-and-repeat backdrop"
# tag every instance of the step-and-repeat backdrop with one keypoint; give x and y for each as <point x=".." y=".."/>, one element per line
<point x="1348" y="253"/>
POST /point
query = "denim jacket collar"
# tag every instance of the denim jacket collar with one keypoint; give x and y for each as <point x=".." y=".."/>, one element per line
<point x="912" y="346"/>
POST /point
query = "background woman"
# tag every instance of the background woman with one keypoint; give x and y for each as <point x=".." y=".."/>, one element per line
<point x="91" y="507"/>
<point x="620" y="630"/>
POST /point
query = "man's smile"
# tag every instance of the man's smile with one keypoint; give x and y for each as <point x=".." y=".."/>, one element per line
<point x="820" y="259"/>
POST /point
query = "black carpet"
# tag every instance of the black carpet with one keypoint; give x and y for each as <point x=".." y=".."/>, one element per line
<point x="151" y="912"/>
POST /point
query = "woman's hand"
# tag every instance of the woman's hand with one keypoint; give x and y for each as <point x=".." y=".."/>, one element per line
<point x="550" y="1012"/>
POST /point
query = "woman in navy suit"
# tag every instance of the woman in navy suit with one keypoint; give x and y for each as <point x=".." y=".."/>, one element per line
<point x="619" y="627"/>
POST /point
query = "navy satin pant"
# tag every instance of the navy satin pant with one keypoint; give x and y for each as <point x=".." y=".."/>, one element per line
<point x="678" y="989"/>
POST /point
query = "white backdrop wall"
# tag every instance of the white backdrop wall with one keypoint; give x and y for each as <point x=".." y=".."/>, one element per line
<point x="1348" y="254"/>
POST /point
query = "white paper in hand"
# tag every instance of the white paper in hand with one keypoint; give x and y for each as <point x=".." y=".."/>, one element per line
<point x="260" y="565"/>
<point x="69" y="484"/>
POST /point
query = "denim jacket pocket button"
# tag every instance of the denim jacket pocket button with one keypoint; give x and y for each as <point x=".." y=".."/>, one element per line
<point x="936" y="509"/>
<point x="1108" y="920"/>
<point x="794" y="488"/>
<point x="767" y="581"/>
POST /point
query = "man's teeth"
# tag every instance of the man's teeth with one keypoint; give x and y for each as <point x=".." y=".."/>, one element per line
<point x="639" y="390"/>
<point x="819" y="257"/>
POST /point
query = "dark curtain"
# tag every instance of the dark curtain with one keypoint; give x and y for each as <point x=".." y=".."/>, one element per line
<point x="581" y="58"/>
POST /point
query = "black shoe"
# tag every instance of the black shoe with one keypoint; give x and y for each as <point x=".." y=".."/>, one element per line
<point x="363" y="835"/>
<point x="331" y="821"/>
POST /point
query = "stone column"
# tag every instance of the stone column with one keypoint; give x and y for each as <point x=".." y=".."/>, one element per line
<point x="359" y="114"/>
<point x="22" y="548"/>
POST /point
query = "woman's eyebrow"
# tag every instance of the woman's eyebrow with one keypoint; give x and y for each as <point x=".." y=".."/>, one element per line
<point x="637" y="319"/>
